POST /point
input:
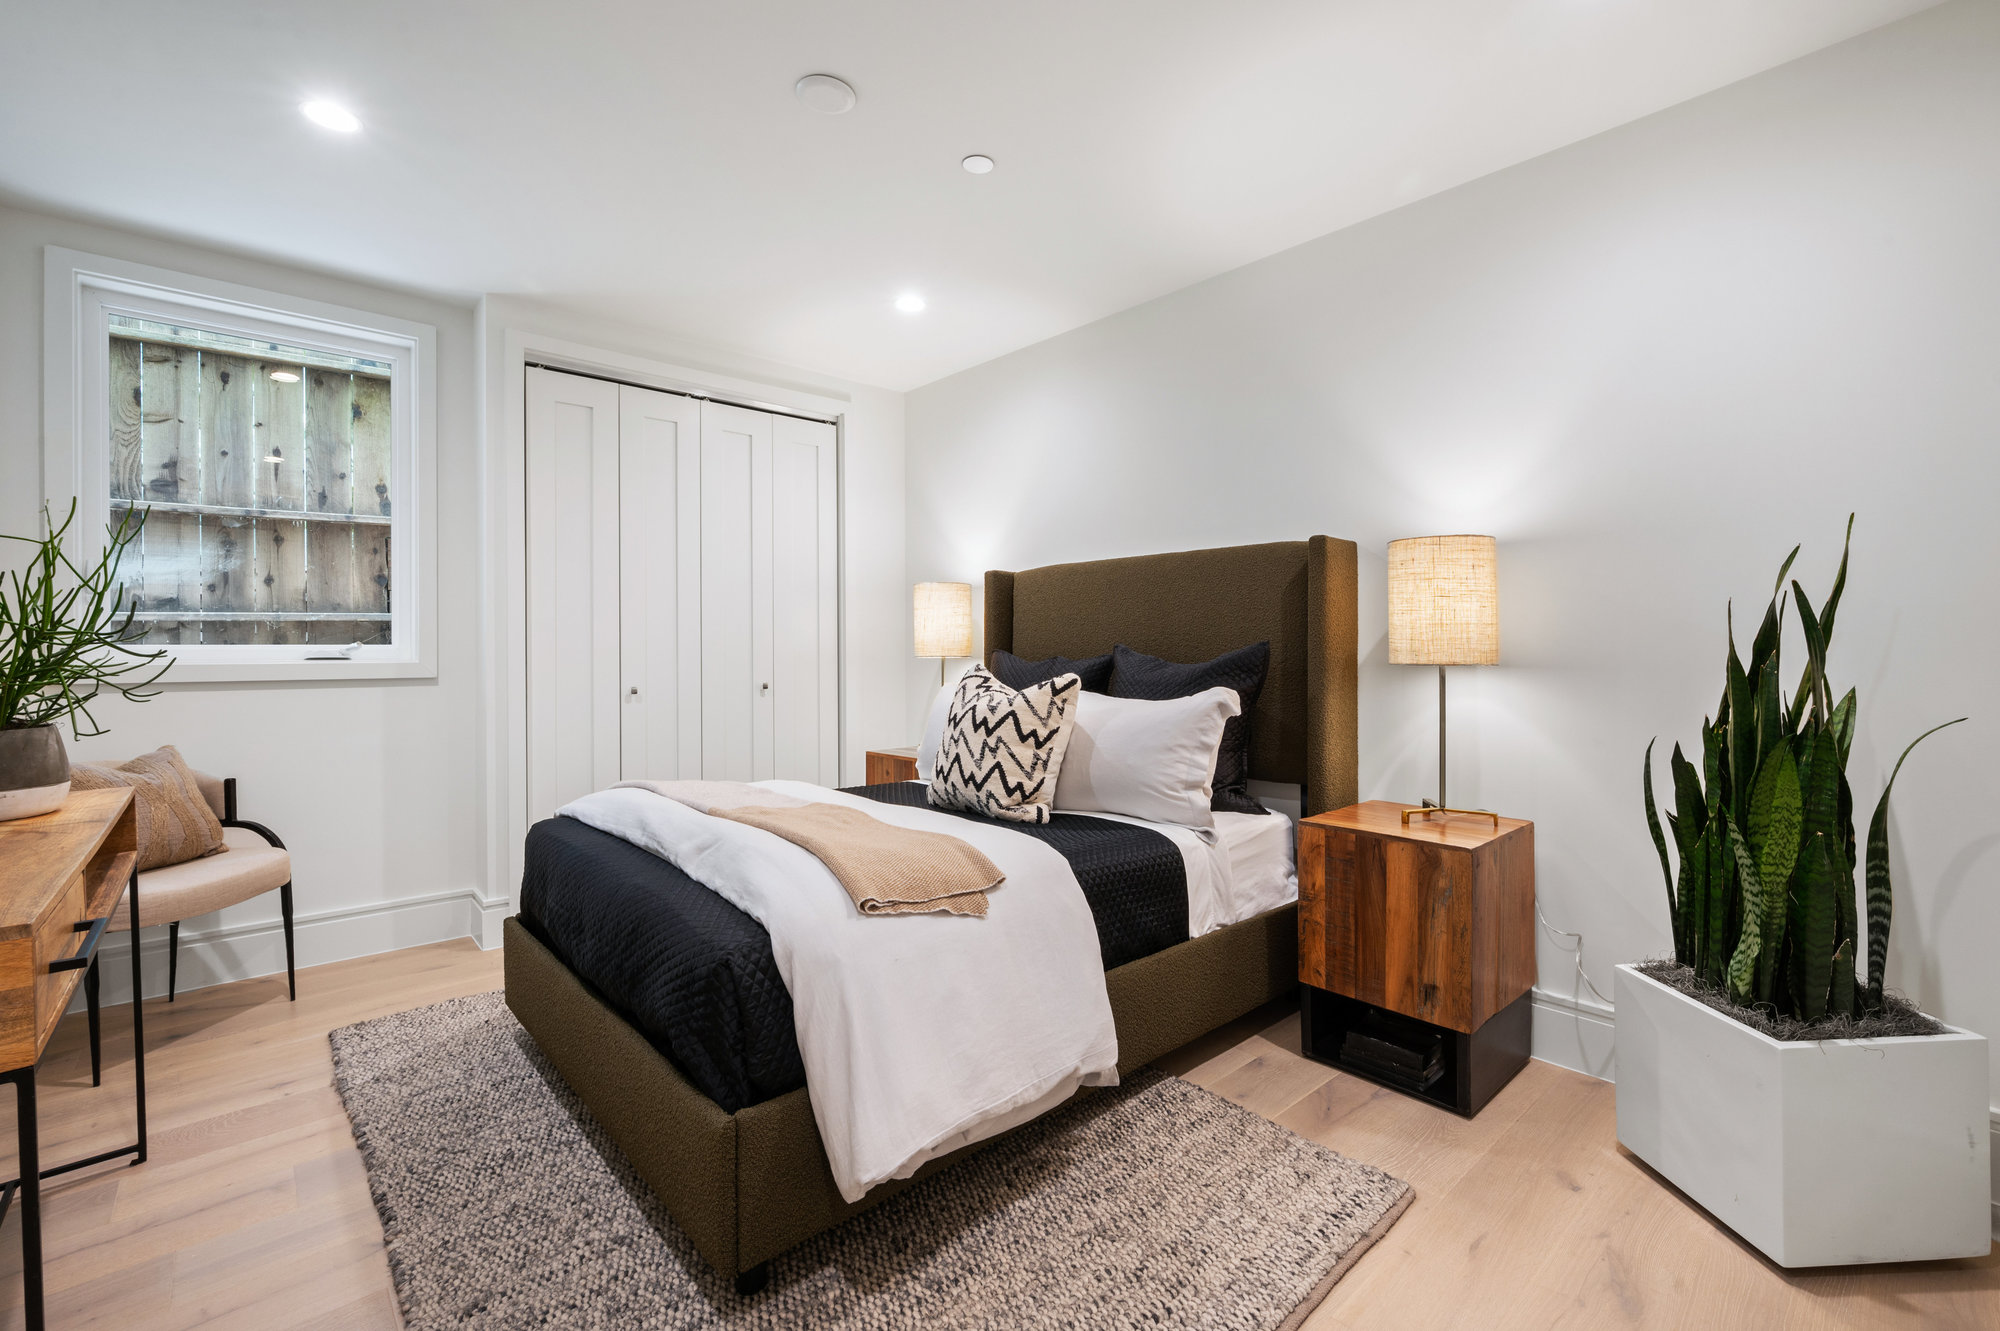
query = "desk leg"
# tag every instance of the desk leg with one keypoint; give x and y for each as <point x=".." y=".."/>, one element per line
<point x="90" y="1007"/>
<point x="30" y="1182"/>
<point x="138" y="1018"/>
<point x="31" y="1197"/>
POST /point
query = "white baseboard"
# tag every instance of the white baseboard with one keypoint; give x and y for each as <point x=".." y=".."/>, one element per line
<point x="488" y="917"/>
<point x="240" y="951"/>
<point x="1573" y="1033"/>
<point x="1577" y="1034"/>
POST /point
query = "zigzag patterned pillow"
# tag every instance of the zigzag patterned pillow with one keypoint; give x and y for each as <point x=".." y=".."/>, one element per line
<point x="1003" y="747"/>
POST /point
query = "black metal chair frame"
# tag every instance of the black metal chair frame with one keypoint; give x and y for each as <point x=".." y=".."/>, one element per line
<point x="229" y="819"/>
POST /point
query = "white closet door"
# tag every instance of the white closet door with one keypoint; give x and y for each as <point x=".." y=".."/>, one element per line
<point x="735" y="584"/>
<point x="572" y="555"/>
<point x="659" y="451"/>
<point x="805" y="591"/>
<point x="683" y="591"/>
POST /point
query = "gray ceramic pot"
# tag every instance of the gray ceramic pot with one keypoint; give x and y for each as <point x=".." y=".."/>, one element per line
<point x="34" y="771"/>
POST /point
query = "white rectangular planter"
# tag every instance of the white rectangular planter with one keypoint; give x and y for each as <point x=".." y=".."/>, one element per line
<point x="1817" y="1154"/>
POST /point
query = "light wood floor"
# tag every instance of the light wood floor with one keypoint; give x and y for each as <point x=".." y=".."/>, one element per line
<point x="254" y="1212"/>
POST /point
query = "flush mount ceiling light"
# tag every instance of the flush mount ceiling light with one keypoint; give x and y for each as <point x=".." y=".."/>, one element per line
<point x="330" y="115"/>
<point x="285" y="376"/>
<point x="978" y="164"/>
<point x="910" y="303"/>
<point x="825" y="94"/>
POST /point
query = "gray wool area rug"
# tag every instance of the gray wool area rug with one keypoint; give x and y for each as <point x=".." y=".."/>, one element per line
<point x="1157" y="1204"/>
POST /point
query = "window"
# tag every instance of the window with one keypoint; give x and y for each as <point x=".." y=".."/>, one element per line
<point x="264" y="474"/>
<point x="273" y="452"/>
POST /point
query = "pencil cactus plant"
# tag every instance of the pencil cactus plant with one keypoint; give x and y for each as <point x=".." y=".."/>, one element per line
<point x="1763" y="903"/>
<point x="66" y="632"/>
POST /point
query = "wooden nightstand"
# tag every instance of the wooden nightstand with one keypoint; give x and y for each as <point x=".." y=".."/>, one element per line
<point x="891" y="765"/>
<point x="1417" y="948"/>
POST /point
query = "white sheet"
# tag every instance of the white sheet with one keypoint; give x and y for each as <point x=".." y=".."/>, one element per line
<point x="1262" y="867"/>
<point x="1241" y="867"/>
<point x="919" y="1033"/>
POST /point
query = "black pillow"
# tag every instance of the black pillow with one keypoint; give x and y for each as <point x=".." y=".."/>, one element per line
<point x="1015" y="673"/>
<point x="1137" y="675"/>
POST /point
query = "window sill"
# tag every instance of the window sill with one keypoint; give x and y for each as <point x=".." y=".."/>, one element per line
<point x="237" y="672"/>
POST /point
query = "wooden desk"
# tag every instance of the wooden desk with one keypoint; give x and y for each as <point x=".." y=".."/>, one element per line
<point x="60" y="878"/>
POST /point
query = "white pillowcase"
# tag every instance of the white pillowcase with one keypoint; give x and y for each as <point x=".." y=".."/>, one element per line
<point x="1145" y="759"/>
<point x="927" y="751"/>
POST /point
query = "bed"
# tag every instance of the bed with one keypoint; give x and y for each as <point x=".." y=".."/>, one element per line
<point x="727" y="1138"/>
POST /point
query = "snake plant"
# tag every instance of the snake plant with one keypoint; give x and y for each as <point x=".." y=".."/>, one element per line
<point x="1763" y="903"/>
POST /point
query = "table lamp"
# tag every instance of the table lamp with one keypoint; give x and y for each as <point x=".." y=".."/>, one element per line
<point x="944" y="621"/>
<point x="1444" y="609"/>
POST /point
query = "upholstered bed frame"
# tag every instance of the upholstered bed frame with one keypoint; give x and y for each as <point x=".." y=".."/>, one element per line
<point x="746" y="1186"/>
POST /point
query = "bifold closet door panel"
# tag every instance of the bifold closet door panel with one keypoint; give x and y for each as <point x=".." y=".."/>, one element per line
<point x="659" y="462"/>
<point x="573" y="592"/>
<point x="805" y="599"/>
<point x="735" y="585"/>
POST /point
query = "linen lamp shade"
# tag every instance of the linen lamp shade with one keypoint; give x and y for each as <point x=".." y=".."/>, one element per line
<point x="1444" y="601"/>
<point x="944" y="619"/>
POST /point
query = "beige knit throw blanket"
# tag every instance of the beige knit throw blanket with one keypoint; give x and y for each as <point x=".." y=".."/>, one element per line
<point x="885" y="869"/>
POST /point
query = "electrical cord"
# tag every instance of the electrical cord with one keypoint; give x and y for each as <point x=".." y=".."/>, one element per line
<point x="1577" y="952"/>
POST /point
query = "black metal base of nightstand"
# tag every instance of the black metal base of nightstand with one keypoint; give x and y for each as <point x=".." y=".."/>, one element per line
<point x="1476" y="1066"/>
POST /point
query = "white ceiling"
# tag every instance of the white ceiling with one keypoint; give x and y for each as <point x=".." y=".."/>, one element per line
<point x="648" y="160"/>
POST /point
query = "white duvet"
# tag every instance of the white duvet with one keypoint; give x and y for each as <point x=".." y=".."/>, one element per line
<point x="919" y="1033"/>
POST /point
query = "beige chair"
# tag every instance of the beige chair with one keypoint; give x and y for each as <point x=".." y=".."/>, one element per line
<point x="255" y="863"/>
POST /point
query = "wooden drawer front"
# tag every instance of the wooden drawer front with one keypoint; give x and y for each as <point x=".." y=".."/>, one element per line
<point x="56" y="936"/>
<point x="1427" y="933"/>
<point x="54" y="868"/>
<point x="1387" y="922"/>
<point x="18" y="1026"/>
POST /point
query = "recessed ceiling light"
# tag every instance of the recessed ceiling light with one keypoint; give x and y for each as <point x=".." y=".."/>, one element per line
<point x="825" y="94"/>
<point x="330" y="115"/>
<point x="285" y="376"/>
<point x="910" y="303"/>
<point x="978" y="164"/>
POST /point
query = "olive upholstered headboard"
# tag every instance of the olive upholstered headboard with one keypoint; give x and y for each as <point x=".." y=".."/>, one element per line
<point x="1197" y="604"/>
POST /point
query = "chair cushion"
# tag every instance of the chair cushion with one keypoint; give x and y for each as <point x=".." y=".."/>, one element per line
<point x="175" y="820"/>
<point x="249" y="866"/>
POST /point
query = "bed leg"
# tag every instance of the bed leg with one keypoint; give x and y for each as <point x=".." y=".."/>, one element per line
<point x="753" y="1281"/>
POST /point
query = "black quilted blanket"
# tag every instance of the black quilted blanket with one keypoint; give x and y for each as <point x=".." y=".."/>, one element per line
<point x="696" y="976"/>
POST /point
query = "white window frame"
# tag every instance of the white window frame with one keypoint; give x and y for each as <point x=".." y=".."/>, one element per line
<point x="81" y="291"/>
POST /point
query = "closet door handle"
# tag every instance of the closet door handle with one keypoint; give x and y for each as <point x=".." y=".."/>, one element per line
<point x="763" y="688"/>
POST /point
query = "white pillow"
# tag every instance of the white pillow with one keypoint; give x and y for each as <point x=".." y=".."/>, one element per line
<point x="1145" y="759"/>
<point x="927" y="751"/>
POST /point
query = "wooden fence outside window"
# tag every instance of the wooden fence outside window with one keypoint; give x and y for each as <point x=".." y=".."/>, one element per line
<point x="269" y="497"/>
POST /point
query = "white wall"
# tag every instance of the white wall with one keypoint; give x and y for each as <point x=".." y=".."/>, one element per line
<point x="375" y="787"/>
<point x="1649" y="364"/>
